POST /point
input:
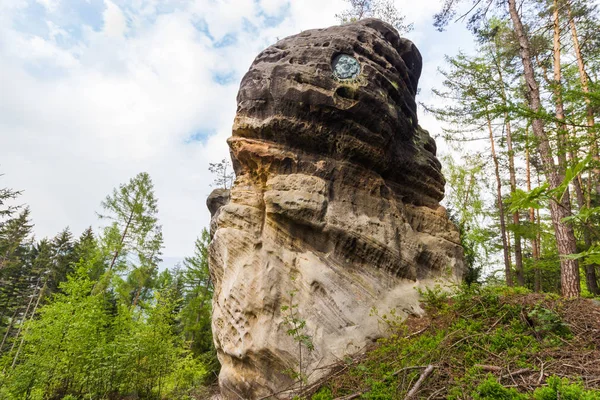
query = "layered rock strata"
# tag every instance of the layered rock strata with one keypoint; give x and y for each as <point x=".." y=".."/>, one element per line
<point x="335" y="210"/>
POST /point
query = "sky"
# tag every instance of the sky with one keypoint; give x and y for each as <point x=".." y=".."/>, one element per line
<point x="93" y="92"/>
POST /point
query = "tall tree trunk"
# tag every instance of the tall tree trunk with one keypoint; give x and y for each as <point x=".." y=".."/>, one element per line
<point x="8" y="328"/>
<point x="512" y="174"/>
<point x="507" y="269"/>
<point x="584" y="85"/>
<point x="515" y="216"/>
<point x="590" y="270"/>
<point x="25" y="315"/>
<point x="118" y="250"/>
<point x="565" y="237"/>
<point x="42" y="290"/>
<point x="537" y="281"/>
<point x="591" y="279"/>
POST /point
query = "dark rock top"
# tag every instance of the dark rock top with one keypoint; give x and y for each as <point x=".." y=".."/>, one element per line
<point x="217" y="199"/>
<point x="347" y="93"/>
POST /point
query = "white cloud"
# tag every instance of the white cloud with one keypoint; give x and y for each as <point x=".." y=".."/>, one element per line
<point x="114" y="20"/>
<point x="77" y="120"/>
<point x="272" y="7"/>
<point x="50" y="5"/>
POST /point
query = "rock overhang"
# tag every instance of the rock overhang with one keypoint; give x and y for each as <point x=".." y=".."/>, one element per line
<point x="291" y="97"/>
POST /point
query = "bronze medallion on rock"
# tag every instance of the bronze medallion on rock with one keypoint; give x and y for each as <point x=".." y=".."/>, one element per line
<point x="345" y="67"/>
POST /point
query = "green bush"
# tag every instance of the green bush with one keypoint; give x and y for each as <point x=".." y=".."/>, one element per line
<point x="490" y="389"/>
<point x="323" y="394"/>
<point x="562" y="389"/>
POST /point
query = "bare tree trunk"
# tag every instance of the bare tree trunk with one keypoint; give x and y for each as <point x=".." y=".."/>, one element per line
<point x="584" y="85"/>
<point x="8" y="328"/>
<point x="537" y="284"/>
<point x="565" y="237"/>
<point x="118" y="250"/>
<point x="513" y="179"/>
<point x="25" y="316"/>
<point x="507" y="269"/>
<point x="41" y="293"/>
<point x="515" y="215"/>
<point x="591" y="278"/>
<point x="590" y="270"/>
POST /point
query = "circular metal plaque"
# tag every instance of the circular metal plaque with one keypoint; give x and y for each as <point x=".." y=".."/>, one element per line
<point x="345" y="67"/>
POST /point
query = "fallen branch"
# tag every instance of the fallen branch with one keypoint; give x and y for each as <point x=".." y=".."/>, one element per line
<point x="417" y="385"/>
<point x="497" y="322"/>
<point x="539" y="381"/>
<point x="416" y="333"/>
<point x="490" y="368"/>
<point x="396" y="373"/>
<point x="432" y="395"/>
<point x="517" y="372"/>
<point x="352" y="396"/>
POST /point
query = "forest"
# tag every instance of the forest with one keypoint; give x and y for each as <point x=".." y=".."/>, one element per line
<point x="521" y="115"/>
<point x="90" y="314"/>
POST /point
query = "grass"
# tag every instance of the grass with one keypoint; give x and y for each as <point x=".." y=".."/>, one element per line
<point x="483" y="343"/>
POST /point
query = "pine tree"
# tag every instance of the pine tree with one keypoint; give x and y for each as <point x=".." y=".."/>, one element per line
<point x="384" y="10"/>
<point x="132" y="210"/>
<point x="198" y="296"/>
<point x="472" y="80"/>
<point x="224" y="174"/>
<point x="560" y="207"/>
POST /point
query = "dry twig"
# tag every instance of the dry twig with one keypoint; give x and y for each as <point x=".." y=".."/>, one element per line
<point x="417" y="385"/>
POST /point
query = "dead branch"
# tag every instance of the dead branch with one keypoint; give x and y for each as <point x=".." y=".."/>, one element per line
<point x="516" y="373"/>
<point x="491" y="368"/>
<point x="417" y="385"/>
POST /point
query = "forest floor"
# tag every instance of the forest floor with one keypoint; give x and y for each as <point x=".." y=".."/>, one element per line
<point x="480" y="343"/>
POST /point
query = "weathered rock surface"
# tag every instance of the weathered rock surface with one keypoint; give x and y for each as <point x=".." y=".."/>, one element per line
<point x="335" y="209"/>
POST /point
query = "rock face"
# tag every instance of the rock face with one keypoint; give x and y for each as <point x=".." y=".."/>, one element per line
<point x="335" y="209"/>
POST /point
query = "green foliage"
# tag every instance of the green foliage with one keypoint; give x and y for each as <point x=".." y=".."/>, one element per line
<point x="466" y="208"/>
<point x="78" y="345"/>
<point x="133" y="238"/>
<point x="107" y="325"/>
<point x="490" y="389"/>
<point x="384" y="10"/>
<point x="436" y="297"/>
<point x="466" y="333"/>
<point x="224" y="174"/>
<point x="562" y="389"/>
<point x="322" y="394"/>
<point x="198" y="292"/>
<point x="296" y="330"/>
<point x="541" y="195"/>
<point x="548" y="321"/>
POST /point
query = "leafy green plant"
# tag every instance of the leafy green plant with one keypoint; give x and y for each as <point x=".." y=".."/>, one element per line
<point x="490" y="389"/>
<point x="296" y="330"/>
<point x="391" y="320"/>
<point x="323" y="394"/>
<point x="435" y="297"/>
<point x="547" y="321"/>
<point x="562" y="389"/>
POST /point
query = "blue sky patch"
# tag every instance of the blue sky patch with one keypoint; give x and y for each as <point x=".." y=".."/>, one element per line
<point x="200" y="136"/>
<point x="227" y="40"/>
<point x="29" y="20"/>
<point x="224" y="77"/>
<point x="272" y="21"/>
<point x="86" y="12"/>
<point x="202" y="27"/>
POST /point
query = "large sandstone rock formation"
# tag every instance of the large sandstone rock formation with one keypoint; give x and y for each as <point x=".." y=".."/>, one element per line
<point x="335" y="209"/>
